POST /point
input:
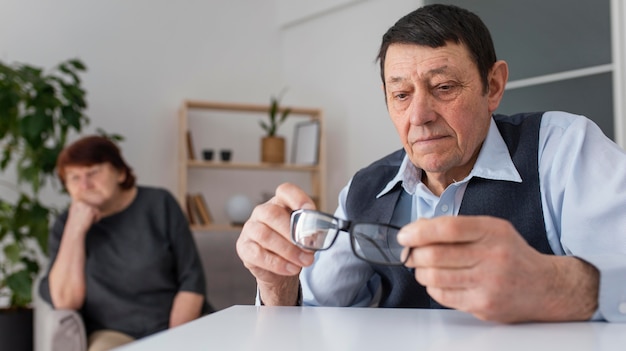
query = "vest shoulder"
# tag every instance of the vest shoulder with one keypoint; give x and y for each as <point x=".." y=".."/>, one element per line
<point x="393" y="160"/>
<point x="519" y="118"/>
<point x="369" y="181"/>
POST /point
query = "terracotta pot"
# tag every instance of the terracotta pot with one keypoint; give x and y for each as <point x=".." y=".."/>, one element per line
<point x="273" y="149"/>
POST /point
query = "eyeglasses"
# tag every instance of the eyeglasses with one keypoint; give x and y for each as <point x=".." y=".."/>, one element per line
<point x="371" y="242"/>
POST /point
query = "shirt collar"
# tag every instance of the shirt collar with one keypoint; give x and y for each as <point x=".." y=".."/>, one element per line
<point x="494" y="162"/>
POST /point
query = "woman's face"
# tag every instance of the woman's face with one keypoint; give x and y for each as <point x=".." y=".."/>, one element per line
<point x="97" y="185"/>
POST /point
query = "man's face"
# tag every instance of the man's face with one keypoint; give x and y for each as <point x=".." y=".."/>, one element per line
<point x="97" y="185"/>
<point x="437" y="103"/>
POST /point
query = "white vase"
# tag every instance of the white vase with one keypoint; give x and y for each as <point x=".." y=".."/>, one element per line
<point x="239" y="208"/>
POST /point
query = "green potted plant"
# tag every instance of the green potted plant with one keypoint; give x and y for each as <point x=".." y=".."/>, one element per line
<point x="37" y="111"/>
<point x="273" y="145"/>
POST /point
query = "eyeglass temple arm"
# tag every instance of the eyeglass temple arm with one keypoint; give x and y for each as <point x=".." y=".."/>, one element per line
<point x="346" y="226"/>
<point x="373" y="242"/>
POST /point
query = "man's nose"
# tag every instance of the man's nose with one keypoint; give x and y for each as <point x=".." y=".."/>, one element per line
<point x="421" y="110"/>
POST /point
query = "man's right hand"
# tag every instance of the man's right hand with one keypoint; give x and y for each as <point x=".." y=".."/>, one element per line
<point x="266" y="249"/>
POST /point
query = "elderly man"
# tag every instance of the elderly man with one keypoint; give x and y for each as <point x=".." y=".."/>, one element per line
<point x="511" y="218"/>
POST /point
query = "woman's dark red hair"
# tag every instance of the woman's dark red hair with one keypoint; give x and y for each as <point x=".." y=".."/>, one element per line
<point x="92" y="150"/>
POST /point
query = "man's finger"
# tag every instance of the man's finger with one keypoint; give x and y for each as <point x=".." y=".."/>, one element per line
<point x="464" y="255"/>
<point x="292" y="197"/>
<point x="450" y="229"/>
<point x="274" y="251"/>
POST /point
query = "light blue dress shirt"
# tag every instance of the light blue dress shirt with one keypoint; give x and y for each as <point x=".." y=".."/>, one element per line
<point x="582" y="177"/>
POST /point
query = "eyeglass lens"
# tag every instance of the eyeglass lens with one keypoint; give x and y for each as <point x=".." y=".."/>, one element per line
<point x="314" y="230"/>
<point x="376" y="243"/>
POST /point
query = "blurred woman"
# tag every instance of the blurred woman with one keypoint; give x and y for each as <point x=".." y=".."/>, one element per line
<point x="122" y="255"/>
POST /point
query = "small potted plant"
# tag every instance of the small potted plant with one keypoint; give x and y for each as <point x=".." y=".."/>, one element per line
<point x="273" y="145"/>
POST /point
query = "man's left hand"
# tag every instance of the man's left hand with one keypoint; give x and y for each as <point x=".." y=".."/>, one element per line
<point x="482" y="265"/>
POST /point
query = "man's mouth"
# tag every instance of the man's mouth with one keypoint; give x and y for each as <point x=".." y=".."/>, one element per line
<point x="425" y="140"/>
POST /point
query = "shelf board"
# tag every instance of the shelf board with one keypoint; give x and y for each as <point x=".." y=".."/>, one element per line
<point x="225" y="106"/>
<point x="251" y="166"/>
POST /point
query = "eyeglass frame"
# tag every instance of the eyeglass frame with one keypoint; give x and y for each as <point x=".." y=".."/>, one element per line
<point x="345" y="226"/>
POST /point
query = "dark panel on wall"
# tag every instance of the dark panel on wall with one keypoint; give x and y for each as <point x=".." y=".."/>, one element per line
<point x="538" y="37"/>
<point x="590" y="96"/>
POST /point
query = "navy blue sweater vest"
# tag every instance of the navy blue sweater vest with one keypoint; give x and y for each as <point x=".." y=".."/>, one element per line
<point x="519" y="203"/>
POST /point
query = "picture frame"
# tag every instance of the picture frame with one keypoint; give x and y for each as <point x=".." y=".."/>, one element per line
<point x="305" y="149"/>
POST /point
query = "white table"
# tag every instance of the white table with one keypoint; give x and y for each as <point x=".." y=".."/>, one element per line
<point x="327" y="328"/>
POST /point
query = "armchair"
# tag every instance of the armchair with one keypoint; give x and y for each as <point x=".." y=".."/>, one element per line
<point x="59" y="330"/>
<point x="56" y="330"/>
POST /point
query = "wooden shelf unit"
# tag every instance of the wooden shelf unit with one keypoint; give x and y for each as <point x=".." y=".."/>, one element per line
<point x="317" y="172"/>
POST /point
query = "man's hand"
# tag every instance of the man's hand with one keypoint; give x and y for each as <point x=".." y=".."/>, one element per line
<point x="265" y="246"/>
<point x="482" y="265"/>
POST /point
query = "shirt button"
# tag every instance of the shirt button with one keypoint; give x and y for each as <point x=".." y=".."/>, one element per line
<point x="622" y="308"/>
<point x="444" y="208"/>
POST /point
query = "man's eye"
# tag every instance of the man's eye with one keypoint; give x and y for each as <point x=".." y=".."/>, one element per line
<point x="446" y="91"/>
<point x="400" y="96"/>
<point x="445" y="86"/>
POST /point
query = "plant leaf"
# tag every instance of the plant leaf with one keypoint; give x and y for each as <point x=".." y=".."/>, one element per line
<point x="20" y="284"/>
<point x="12" y="252"/>
<point x="286" y="113"/>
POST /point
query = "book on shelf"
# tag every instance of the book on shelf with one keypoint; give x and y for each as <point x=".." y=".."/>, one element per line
<point x="203" y="209"/>
<point x="190" y="151"/>
<point x="192" y="212"/>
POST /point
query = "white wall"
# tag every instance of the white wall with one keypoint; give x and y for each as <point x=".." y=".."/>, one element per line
<point x="330" y="61"/>
<point x="145" y="56"/>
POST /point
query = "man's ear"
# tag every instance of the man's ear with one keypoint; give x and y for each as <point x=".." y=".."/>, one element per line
<point x="498" y="77"/>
